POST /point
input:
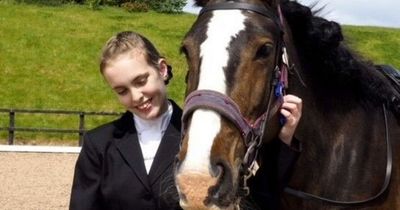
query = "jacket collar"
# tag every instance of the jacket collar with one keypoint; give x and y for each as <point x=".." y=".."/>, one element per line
<point x="125" y="123"/>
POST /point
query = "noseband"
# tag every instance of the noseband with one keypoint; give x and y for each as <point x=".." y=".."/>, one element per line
<point x="251" y="132"/>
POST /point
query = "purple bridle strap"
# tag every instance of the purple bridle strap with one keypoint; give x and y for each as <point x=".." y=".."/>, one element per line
<point x="222" y="104"/>
<point x="213" y="100"/>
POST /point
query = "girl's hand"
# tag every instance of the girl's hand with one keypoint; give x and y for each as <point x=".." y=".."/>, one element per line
<point x="291" y="110"/>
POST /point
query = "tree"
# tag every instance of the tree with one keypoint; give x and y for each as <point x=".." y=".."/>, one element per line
<point x="167" y="6"/>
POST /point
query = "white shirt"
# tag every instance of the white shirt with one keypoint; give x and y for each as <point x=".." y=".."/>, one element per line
<point x="150" y="133"/>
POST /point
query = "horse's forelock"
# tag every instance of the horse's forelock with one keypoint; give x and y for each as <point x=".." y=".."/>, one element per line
<point x="201" y="3"/>
<point x="271" y="3"/>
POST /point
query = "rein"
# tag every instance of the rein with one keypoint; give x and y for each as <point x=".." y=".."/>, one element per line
<point x="251" y="132"/>
<point x="389" y="165"/>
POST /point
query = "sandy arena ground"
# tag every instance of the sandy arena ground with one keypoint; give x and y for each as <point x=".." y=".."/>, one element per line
<point x="35" y="181"/>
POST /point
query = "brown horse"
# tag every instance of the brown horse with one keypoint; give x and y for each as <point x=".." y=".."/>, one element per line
<point x="242" y="55"/>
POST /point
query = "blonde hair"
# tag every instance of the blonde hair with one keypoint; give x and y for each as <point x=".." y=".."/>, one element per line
<point x="128" y="42"/>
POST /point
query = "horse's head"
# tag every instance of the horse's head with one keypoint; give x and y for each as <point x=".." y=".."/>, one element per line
<point x="233" y="51"/>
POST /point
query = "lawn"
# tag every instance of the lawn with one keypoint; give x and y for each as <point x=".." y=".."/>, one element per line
<point x="381" y="45"/>
<point x="49" y="59"/>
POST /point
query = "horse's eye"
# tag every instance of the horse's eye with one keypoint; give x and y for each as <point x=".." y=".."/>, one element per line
<point x="264" y="51"/>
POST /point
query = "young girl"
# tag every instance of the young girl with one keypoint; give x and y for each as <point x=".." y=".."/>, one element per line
<point x="128" y="163"/>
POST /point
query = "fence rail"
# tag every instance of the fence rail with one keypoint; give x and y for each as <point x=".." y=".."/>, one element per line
<point x="80" y="130"/>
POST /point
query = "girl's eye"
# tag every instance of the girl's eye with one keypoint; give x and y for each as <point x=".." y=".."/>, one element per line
<point x="121" y="92"/>
<point x="141" y="81"/>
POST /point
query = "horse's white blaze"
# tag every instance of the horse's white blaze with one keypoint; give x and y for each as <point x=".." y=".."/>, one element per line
<point x="206" y="124"/>
<point x="214" y="52"/>
<point x="203" y="129"/>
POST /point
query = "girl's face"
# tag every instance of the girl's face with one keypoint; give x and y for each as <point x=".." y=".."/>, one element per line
<point x="139" y="86"/>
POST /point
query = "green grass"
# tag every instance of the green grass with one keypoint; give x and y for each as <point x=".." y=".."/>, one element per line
<point x="49" y="58"/>
<point x="50" y="54"/>
<point x="381" y="45"/>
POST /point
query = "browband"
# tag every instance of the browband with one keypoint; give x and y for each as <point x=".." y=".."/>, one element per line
<point x="230" y="5"/>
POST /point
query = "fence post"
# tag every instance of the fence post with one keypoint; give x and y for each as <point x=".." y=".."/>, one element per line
<point x="11" y="128"/>
<point x="81" y="127"/>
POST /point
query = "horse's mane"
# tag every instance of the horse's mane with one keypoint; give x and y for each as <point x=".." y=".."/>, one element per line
<point x="324" y="55"/>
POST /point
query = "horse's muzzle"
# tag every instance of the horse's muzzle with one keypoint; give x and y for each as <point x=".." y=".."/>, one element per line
<point x="206" y="190"/>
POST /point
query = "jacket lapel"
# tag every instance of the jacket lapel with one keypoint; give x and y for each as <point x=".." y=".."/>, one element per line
<point x="165" y="154"/>
<point x="128" y="145"/>
<point x="169" y="146"/>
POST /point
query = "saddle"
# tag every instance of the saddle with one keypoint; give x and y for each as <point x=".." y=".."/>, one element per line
<point x="393" y="75"/>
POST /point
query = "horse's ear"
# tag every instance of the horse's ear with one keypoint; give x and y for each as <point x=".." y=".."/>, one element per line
<point x="201" y="3"/>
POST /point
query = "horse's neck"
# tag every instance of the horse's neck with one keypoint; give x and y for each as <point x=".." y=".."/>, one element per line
<point x="342" y="135"/>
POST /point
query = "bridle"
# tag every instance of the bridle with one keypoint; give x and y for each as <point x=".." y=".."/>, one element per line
<point x="251" y="132"/>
